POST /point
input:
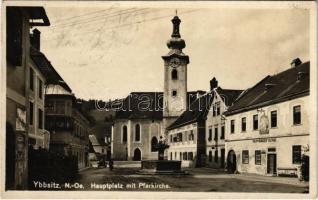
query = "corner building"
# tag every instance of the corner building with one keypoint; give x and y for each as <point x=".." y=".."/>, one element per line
<point x="268" y="125"/>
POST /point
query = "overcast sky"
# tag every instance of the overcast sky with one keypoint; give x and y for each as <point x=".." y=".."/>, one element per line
<point x="106" y="53"/>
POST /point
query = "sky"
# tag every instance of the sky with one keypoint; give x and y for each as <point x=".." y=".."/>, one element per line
<point x="107" y="52"/>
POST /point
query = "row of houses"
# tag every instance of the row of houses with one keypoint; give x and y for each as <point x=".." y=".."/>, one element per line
<point x="263" y="129"/>
<point x="41" y="110"/>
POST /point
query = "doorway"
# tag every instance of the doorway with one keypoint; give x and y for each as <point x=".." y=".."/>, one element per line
<point x="271" y="163"/>
<point x="231" y="162"/>
<point x="137" y="155"/>
<point x="222" y="157"/>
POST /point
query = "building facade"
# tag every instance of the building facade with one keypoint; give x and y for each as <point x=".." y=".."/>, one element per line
<point x="18" y="93"/>
<point x="186" y="135"/>
<point x="268" y="126"/>
<point x="215" y="124"/>
<point x="67" y="124"/>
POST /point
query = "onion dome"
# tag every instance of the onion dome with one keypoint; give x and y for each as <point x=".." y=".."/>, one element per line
<point x="176" y="42"/>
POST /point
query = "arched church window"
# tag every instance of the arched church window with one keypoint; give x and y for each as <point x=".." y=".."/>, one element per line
<point x="124" y="133"/>
<point x="137" y="132"/>
<point x="154" y="143"/>
<point x="174" y="74"/>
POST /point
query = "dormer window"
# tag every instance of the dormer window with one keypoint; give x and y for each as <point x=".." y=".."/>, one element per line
<point x="301" y="75"/>
<point x="174" y="74"/>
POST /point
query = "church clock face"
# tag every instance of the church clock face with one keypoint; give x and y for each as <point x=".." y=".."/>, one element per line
<point x="175" y="62"/>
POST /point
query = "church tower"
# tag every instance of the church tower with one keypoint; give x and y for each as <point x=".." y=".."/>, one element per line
<point x="175" y="77"/>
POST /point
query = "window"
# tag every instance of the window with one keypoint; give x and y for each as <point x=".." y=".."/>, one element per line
<point x="174" y="74"/>
<point x="171" y="139"/>
<point x="218" y="109"/>
<point x="232" y="126"/>
<point x="185" y="156"/>
<point x="174" y="93"/>
<point x="222" y="132"/>
<point x="180" y="156"/>
<point x="154" y="143"/>
<point x="296" y="154"/>
<point x="124" y="134"/>
<point x="274" y="119"/>
<point x="297" y="115"/>
<point x="171" y="156"/>
<point x="175" y="155"/>
<point x="210" y="134"/>
<point x="31" y="113"/>
<point x="258" y="157"/>
<point x="190" y="155"/>
<point x="216" y="133"/>
<point x="31" y="79"/>
<point x="245" y="156"/>
<point x="137" y="133"/>
<point x="214" y="110"/>
<point x="210" y="156"/>
<point x="179" y="136"/>
<point x="40" y="119"/>
<point x="243" y="124"/>
<point x="191" y="136"/>
<point x="216" y="157"/>
<point x="40" y="89"/>
<point x="255" y="122"/>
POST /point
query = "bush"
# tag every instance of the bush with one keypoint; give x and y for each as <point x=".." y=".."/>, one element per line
<point x="47" y="166"/>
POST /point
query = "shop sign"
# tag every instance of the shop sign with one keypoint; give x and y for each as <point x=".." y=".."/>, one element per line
<point x="260" y="140"/>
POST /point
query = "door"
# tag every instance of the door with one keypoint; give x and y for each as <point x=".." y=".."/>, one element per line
<point x="137" y="155"/>
<point x="271" y="163"/>
<point x="222" y="157"/>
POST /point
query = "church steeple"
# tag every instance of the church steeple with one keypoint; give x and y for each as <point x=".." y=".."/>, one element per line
<point x="176" y="42"/>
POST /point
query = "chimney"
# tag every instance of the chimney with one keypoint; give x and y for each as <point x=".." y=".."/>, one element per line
<point x="213" y="83"/>
<point x="35" y="39"/>
<point x="295" y="62"/>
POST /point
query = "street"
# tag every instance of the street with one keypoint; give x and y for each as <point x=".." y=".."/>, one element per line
<point x="126" y="178"/>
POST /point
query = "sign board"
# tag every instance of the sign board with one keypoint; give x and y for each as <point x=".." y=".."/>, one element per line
<point x="20" y="124"/>
<point x="259" y="140"/>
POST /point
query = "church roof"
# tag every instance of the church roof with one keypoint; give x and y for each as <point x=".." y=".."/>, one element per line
<point x="198" y="110"/>
<point x="147" y="105"/>
<point x="289" y="84"/>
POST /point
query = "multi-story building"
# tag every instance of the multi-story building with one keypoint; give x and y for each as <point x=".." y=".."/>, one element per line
<point x="67" y="124"/>
<point x="186" y="135"/>
<point x="38" y="136"/>
<point x="19" y="94"/>
<point x="268" y="126"/>
<point x="215" y="124"/>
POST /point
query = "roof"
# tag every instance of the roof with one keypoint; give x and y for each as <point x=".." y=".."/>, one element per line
<point x="96" y="141"/>
<point x="228" y="95"/>
<point x="147" y="105"/>
<point x="198" y="110"/>
<point x="46" y="68"/>
<point x="38" y="13"/>
<point x="289" y="84"/>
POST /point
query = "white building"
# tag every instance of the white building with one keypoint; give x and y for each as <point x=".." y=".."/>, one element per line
<point x="215" y="124"/>
<point x="268" y="126"/>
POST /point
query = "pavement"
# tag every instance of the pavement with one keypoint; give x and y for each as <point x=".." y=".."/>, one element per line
<point x="199" y="179"/>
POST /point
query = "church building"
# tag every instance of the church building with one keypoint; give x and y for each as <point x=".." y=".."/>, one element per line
<point x="144" y="116"/>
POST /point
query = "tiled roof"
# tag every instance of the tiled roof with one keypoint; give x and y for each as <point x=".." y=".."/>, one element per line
<point x="147" y="105"/>
<point x="289" y="84"/>
<point x="46" y="68"/>
<point x="198" y="110"/>
<point x="228" y="96"/>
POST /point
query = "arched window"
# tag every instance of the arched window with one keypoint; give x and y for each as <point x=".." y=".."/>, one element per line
<point x="174" y="74"/>
<point x="154" y="143"/>
<point x="137" y="132"/>
<point x="124" y="133"/>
